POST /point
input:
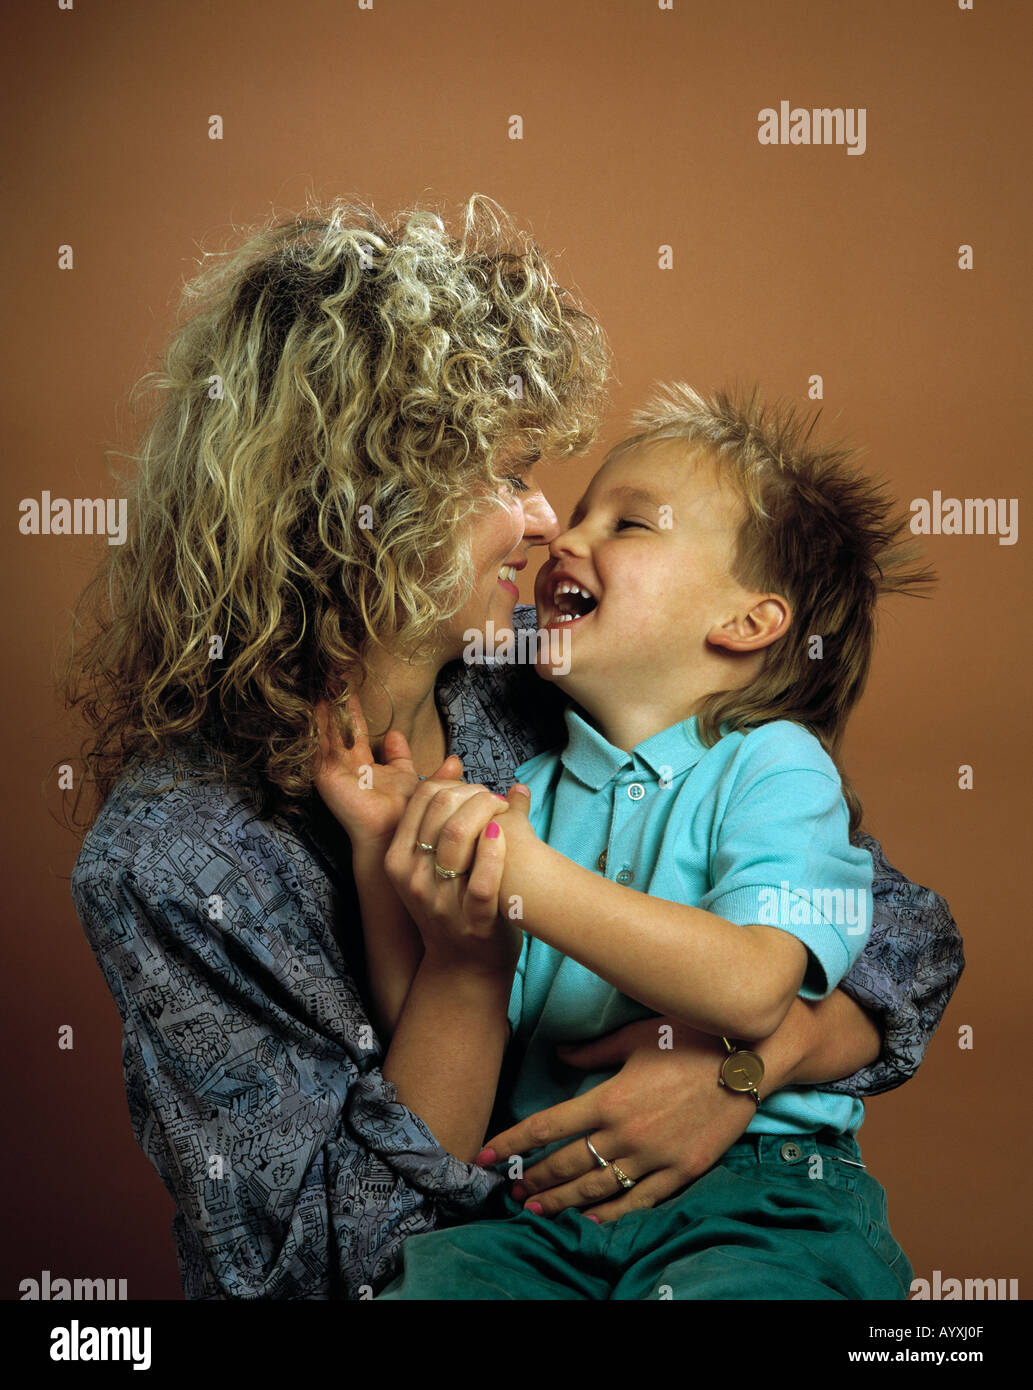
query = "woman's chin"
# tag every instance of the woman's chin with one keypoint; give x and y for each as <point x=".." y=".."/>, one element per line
<point x="500" y="610"/>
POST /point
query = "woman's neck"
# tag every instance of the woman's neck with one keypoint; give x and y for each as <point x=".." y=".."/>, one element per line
<point x="397" y="694"/>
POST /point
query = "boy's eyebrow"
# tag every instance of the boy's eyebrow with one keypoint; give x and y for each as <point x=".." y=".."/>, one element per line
<point x="636" y="494"/>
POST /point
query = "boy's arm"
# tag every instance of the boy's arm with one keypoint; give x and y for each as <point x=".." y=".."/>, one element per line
<point x="725" y="974"/>
<point x="693" y="965"/>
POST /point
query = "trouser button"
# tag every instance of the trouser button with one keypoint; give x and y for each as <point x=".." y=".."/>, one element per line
<point x="791" y="1152"/>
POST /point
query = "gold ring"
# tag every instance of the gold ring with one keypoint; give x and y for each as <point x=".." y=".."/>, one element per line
<point x="621" y="1176"/>
<point x="446" y="873"/>
<point x="429" y="849"/>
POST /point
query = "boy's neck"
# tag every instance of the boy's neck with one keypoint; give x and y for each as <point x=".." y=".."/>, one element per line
<point x="628" y="714"/>
<point x="627" y="727"/>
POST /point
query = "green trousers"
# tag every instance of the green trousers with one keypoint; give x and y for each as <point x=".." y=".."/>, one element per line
<point x="778" y="1218"/>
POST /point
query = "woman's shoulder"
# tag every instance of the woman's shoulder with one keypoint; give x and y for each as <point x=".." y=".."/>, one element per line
<point x="179" y="853"/>
<point x="156" y="798"/>
<point x="186" y="816"/>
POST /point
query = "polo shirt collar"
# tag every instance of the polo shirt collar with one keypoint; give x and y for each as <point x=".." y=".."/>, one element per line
<point x="594" y="762"/>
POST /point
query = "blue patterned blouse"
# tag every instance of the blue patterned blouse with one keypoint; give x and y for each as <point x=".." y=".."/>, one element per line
<point x="233" y="947"/>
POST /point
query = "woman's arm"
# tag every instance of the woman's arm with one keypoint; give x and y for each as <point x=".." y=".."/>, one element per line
<point x="446" y="1053"/>
<point x="368" y="799"/>
<point x="393" y="946"/>
<point x="663" y="1115"/>
<point x="904" y="978"/>
<point x="818" y="1041"/>
<point x="239" y="1011"/>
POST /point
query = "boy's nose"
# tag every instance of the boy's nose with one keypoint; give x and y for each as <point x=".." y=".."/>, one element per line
<point x="568" y="542"/>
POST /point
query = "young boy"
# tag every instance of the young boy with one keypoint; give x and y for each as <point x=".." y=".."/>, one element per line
<point x="688" y="853"/>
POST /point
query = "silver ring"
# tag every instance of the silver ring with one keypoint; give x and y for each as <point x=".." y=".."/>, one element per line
<point x="429" y="849"/>
<point x="446" y="873"/>
<point x="602" y="1162"/>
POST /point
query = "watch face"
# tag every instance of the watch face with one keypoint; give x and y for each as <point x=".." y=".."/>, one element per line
<point x="742" y="1071"/>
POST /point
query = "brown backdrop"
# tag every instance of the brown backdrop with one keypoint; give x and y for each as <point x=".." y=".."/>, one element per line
<point x="640" y="130"/>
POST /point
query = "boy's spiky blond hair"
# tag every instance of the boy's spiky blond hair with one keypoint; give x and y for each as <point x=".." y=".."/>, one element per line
<point x="819" y="532"/>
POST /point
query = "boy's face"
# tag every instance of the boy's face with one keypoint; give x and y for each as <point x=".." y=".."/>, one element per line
<point x="653" y="542"/>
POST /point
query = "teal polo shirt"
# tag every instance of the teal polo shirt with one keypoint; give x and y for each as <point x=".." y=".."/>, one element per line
<point x="753" y="829"/>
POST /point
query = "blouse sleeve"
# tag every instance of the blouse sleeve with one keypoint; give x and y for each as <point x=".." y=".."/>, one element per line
<point x="251" y="1068"/>
<point x="905" y="977"/>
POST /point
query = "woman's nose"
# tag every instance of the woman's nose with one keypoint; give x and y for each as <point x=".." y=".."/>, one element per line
<point x="541" y="526"/>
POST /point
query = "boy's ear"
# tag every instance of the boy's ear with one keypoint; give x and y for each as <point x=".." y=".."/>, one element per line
<point x="754" y="629"/>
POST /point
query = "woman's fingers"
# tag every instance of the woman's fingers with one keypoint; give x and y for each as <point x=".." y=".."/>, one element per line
<point x="647" y="1192"/>
<point x="597" y="1190"/>
<point x="409" y="825"/>
<point x="481" y="899"/>
<point x="428" y="810"/>
<point x="451" y="770"/>
<point x="324" y="723"/>
<point x="613" y="1050"/>
<point x="331" y="742"/>
<point x="453" y="820"/>
<point x="360" y="751"/>
<point x="577" y="1116"/>
<point x="396" y="752"/>
<point x="597" y="1186"/>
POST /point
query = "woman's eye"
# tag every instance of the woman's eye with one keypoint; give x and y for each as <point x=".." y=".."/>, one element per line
<point x="517" y="484"/>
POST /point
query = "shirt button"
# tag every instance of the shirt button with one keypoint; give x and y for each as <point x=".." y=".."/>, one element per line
<point x="791" y="1152"/>
<point x="600" y="863"/>
<point x="636" y="791"/>
<point x="625" y="876"/>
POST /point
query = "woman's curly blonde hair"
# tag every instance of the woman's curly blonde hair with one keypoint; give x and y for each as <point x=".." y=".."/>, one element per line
<point x="343" y="398"/>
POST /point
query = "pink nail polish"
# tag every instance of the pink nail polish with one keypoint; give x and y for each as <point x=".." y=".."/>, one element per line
<point x="590" y="1217"/>
<point x="486" y="1158"/>
<point x="492" y="831"/>
<point x="518" y="1192"/>
<point x="535" y="1207"/>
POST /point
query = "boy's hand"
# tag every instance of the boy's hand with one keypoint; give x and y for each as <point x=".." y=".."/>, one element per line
<point x="458" y="916"/>
<point x="367" y="797"/>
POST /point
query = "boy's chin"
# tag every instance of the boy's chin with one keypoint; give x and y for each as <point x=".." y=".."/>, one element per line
<point x="555" y="675"/>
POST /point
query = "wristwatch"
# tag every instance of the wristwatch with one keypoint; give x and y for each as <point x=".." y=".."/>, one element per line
<point x="741" y="1070"/>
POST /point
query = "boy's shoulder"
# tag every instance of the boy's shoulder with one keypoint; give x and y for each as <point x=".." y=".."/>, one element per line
<point x="776" y="747"/>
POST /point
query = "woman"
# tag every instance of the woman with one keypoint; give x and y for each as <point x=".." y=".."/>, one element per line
<point x="336" y="489"/>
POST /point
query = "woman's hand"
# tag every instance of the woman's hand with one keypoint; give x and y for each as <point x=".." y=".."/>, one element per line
<point x="457" y="915"/>
<point x="367" y="797"/>
<point x="663" y="1119"/>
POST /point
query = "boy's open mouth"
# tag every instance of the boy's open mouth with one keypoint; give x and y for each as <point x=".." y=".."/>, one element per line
<point x="569" y="602"/>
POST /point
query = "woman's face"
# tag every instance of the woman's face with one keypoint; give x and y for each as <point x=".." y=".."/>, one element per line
<point x="501" y="542"/>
